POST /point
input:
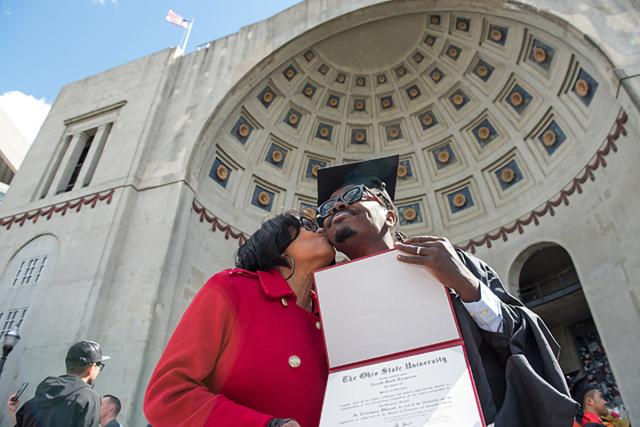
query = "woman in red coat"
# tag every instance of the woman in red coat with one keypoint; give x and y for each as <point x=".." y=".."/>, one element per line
<point x="249" y="351"/>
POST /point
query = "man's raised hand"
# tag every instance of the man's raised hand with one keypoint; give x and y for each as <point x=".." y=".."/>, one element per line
<point x="439" y="256"/>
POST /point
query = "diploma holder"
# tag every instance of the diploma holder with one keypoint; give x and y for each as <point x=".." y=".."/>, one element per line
<point x="395" y="354"/>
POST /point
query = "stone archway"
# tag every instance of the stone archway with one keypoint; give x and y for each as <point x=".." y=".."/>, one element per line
<point x="499" y="116"/>
<point x="548" y="284"/>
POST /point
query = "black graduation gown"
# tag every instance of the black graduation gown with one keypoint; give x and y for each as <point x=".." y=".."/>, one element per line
<point x="516" y="372"/>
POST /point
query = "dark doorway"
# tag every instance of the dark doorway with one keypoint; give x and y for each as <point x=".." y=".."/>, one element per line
<point x="549" y="285"/>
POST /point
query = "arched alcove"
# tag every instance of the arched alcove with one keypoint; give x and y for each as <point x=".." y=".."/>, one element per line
<point x="549" y="284"/>
<point x="549" y="281"/>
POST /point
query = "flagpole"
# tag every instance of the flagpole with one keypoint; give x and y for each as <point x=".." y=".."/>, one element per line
<point x="186" y="39"/>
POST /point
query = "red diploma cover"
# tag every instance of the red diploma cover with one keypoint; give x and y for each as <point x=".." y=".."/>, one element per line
<point x="396" y="357"/>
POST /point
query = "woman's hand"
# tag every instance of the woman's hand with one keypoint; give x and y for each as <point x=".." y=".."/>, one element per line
<point x="438" y="255"/>
<point x="283" y="422"/>
<point x="13" y="405"/>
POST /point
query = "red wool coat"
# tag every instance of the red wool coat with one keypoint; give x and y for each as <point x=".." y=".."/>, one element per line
<point x="243" y="353"/>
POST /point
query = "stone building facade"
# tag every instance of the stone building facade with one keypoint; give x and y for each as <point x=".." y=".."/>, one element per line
<point x="13" y="147"/>
<point x="517" y="127"/>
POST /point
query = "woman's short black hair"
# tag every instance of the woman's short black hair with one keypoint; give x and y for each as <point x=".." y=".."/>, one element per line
<point x="263" y="250"/>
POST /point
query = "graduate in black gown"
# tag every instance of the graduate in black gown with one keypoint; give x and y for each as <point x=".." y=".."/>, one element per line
<point x="512" y="354"/>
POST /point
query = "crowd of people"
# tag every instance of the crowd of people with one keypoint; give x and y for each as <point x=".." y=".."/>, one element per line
<point x="249" y="349"/>
<point x="595" y="366"/>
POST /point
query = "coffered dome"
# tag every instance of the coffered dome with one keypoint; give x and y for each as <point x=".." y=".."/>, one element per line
<point x="492" y="116"/>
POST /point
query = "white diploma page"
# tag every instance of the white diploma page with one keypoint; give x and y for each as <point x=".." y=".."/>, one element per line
<point x="379" y="306"/>
<point x="428" y="389"/>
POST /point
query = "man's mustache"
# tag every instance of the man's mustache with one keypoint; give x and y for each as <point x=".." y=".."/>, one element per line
<point x="348" y="209"/>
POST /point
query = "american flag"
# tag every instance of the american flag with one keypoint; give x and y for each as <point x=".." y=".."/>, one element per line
<point x="176" y="19"/>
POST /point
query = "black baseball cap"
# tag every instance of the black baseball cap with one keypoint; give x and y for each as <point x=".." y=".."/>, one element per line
<point x="85" y="353"/>
<point x="580" y="389"/>
<point x="380" y="173"/>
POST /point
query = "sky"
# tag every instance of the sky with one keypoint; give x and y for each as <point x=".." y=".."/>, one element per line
<point x="46" y="44"/>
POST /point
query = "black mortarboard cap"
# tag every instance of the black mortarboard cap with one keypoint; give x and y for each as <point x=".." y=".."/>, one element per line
<point x="371" y="173"/>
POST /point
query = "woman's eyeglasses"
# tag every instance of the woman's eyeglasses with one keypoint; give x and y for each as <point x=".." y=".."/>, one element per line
<point x="100" y="365"/>
<point x="308" y="224"/>
<point x="349" y="197"/>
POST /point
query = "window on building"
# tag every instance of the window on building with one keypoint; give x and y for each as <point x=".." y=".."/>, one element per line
<point x="86" y="139"/>
<point x="18" y="274"/>
<point x="93" y="162"/>
<point x="62" y="150"/>
<point x="29" y="271"/>
<point x="12" y="318"/>
<point x="78" y="166"/>
<point x="43" y="261"/>
<point x="74" y="163"/>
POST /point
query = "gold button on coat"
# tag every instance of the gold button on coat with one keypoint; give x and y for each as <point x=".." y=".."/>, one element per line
<point x="318" y="325"/>
<point x="284" y="301"/>
<point x="294" y="361"/>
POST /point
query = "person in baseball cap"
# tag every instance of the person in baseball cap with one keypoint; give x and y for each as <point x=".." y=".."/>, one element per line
<point x="85" y="353"/>
<point x="68" y="399"/>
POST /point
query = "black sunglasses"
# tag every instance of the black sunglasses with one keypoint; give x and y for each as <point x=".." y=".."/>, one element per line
<point x="349" y="196"/>
<point x="100" y="365"/>
<point x="308" y="224"/>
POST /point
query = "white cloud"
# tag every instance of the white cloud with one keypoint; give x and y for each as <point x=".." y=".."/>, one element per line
<point x="26" y="112"/>
<point x="102" y="2"/>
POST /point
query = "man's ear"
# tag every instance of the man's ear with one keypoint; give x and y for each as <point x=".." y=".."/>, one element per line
<point x="588" y="401"/>
<point x="391" y="218"/>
